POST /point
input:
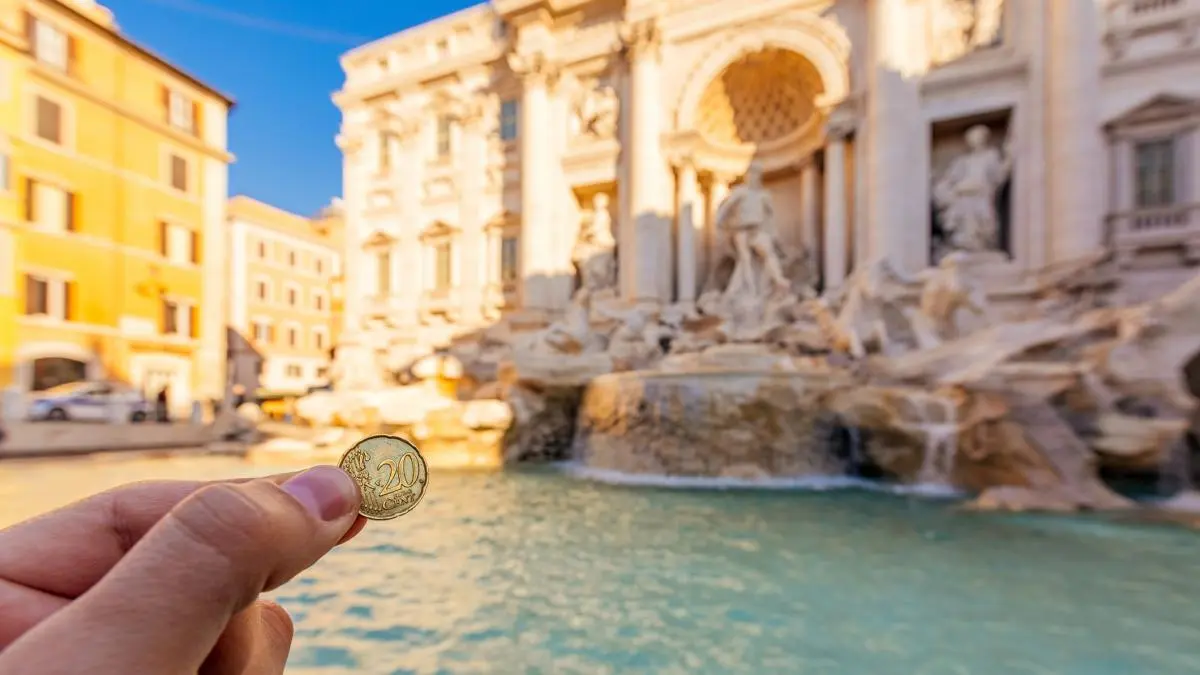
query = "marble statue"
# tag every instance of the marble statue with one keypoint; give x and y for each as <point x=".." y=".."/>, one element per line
<point x="965" y="195"/>
<point x="945" y="291"/>
<point x="747" y="215"/>
<point x="596" y="113"/>
<point x="594" y="254"/>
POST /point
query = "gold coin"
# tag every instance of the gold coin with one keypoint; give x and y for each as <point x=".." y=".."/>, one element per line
<point x="390" y="473"/>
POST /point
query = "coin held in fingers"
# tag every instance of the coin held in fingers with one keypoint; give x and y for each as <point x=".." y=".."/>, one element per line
<point x="390" y="473"/>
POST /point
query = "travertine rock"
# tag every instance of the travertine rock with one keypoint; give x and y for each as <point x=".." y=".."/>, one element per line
<point x="708" y="423"/>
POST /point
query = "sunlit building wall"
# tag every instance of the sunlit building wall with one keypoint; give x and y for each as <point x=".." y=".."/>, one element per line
<point x="282" y="270"/>
<point x="117" y="173"/>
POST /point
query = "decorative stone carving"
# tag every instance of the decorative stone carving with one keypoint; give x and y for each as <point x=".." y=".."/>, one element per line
<point x="595" y="250"/>
<point x="946" y="291"/>
<point x="533" y="66"/>
<point x="965" y="195"/>
<point x="596" y="111"/>
<point x="641" y="38"/>
<point x="959" y="27"/>
<point x="747" y="216"/>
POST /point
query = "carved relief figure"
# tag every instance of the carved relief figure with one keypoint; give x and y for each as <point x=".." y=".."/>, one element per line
<point x="594" y="254"/>
<point x="747" y="215"/>
<point x="958" y="27"/>
<point x="596" y="112"/>
<point x="965" y="195"/>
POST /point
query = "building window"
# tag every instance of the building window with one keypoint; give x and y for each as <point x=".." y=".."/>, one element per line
<point x="291" y="296"/>
<point x="181" y="111"/>
<point x="387" y="141"/>
<point x="262" y="250"/>
<point x="45" y="296"/>
<point x="50" y="45"/>
<point x="5" y="172"/>
<point x="260" y="289"/>
<point x="319" y="266"/>
<point x="178" y="318"/>
<point x="293" y="336"/>
<point x="443" y="136"/>
<point x="319" y="302"/>
<point x="291" y="258"/>
<point x="383" y="282"/>
<point x="442" y="266"/>
<point x="49" y="120"/>
<point x="508" y="120"/>
<point x="319" y="338"/>
<point x="49" y="206"/>
<point x="263" y="331"/>
<point x="1155" y="173"/>
<point x="179" y="173"/>
<point x="293" y="370"/>
<point x="178" y="244"/>
<point x="508" y="259"/>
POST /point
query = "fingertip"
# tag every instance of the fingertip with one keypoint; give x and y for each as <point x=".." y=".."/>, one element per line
<point x="356" y="527"/>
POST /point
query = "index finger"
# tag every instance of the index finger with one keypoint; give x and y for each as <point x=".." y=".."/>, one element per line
<point x="65" y="552"/>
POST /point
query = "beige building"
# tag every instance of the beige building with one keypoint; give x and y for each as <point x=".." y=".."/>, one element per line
<point x="1024" y="133"/>
<point x="283" y="271"/>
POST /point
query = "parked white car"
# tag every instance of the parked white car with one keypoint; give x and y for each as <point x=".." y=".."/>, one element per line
<point x="87" y="402"/>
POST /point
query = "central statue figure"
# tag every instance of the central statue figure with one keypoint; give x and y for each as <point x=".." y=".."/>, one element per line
<point x="747" y="215"/>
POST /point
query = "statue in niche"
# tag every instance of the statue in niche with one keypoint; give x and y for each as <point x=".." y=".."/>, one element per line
<point x="748" y="216"/>
<point x="965" y="195"/>
<point x="596" y="113"/>
<point x="595" y="252"/>
<point x="958" y="27"/>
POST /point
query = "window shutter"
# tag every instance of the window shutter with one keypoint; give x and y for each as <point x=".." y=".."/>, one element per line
<point x="197" y="112"/>
<point x="68" y="300"/>
<point x="71" y="207"/>
<point x="192" y="317"/>
<point x="31" y="32"/>
<point x="195" y="239"/>
<point x="72" y="53"/>
<point x="30" y="199"/>
<point x="165" y="96"/>
<point x="164" y="236"/>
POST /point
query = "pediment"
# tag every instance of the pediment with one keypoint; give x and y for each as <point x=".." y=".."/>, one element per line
<point x="378" y="239"/>
<point x="502" y="220"/>
<point x="1158" y="108"/>
<point x="439" y="229"/>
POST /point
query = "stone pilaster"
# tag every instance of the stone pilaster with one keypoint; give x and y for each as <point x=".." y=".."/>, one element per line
<point x="833" y="266"/>
<point x="1074" y="141"/>
<point x="410" y="194"/>
<point x="537" y="238"/>
<point x="810" y="207"/>
<point x="687" y="221"/>
<point x="472" y="178"/>
<point x="644" y="232"/>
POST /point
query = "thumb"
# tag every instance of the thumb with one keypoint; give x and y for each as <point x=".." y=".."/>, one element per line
<point x="163" y="606"/>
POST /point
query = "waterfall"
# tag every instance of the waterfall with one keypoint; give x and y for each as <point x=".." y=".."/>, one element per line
<point x="940" y="428"/>
<point x="1175" y="477"/>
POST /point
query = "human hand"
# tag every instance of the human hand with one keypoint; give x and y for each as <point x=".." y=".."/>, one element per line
<point x="164" y="577"/>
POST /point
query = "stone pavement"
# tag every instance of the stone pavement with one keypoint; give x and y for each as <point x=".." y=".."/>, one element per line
<point x="38" y="439"/>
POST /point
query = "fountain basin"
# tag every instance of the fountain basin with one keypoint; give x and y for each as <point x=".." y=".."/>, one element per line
<point x="708" y="423"/>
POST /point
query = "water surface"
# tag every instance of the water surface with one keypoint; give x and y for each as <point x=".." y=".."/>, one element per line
<point x="544" y="573"/>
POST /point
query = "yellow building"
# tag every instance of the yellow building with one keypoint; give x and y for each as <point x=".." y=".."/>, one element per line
<point x="115" y="173"/>
<point x="283" y="319"/>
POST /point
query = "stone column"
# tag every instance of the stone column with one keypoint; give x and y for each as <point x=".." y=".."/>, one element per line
<point x="355" y="281"/>
<point x="644" y="237"/>
<point x="407" y="265"/>
<point x="686" y="221"/>
<point x="893" y="107"/>
<point x="1074" y="140"/>
<point x="810" y="207"/>
<point x="473" y="242"/>
<point x="537" y="236"/>
<point x="833" y="268"/>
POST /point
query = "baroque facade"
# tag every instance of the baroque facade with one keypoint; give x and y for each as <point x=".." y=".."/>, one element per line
<point x="482" y="150"/>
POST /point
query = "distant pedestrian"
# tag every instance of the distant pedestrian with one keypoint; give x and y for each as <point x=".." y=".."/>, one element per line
<point x="160" y="406"/>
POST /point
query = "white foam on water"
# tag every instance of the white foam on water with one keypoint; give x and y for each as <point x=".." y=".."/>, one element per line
<point x="805" y="483"/>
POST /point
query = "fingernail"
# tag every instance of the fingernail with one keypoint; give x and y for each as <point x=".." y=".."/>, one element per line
<point x="325" y="491"/>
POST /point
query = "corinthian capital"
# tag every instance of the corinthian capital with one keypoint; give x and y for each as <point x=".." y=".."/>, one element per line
<point x="641" y="38"/>
<point x="534" y="66"/>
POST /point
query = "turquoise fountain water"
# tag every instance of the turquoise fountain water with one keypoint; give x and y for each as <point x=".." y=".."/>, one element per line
<point x="543" y="573"/>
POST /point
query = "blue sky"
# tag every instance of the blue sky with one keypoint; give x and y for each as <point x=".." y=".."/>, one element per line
<point x="279" y="60"/>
